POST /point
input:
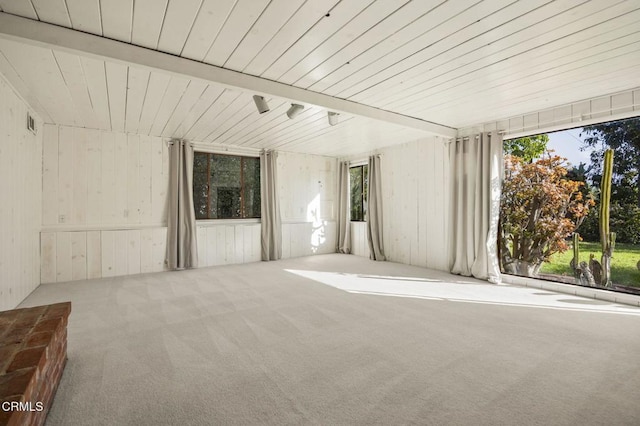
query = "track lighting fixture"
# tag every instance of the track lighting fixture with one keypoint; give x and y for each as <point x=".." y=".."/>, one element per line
<point x="294" y="110"/>
<point x="261" y="104"/>
<point x="333" y="118"/>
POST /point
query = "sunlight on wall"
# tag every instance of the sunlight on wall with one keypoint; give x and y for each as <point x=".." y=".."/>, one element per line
<point x="317" y="225"/>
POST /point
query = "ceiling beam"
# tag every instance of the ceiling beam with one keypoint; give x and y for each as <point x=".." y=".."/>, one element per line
<point x="50" y="36"/>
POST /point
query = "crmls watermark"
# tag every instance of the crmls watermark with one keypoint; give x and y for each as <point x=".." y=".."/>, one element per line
<point x="22" y="406"/>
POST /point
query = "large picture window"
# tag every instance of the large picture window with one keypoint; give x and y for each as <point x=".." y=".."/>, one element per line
<point x="358" y="178"/>
<point x="226" y="186"/>
<point x="570" y="208"/>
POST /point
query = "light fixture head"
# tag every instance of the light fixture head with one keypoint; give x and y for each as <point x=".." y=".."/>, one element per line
<point x="333" y="118"/>
<point x="261" y="104"/>
<point x="294" y="110"/>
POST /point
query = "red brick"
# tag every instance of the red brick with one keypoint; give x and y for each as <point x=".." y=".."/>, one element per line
<point x="58" y="310"/>
<point x="6" y="355"/>
<point x="15" y="336"/>
<point x="15" y="383"/>
<point x="34" y="357"/>
<point x="39" y="339"/>
<point x="47" y="325"/>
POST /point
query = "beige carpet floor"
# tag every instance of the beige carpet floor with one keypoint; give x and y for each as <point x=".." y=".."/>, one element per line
<point x="340" y="340"/>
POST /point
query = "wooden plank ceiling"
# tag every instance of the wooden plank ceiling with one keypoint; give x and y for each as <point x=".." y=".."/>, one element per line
<point x="456" y="63"/>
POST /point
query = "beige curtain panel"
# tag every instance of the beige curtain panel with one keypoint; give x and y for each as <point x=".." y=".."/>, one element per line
<point x="476" y="180"/>
<point x="343" y="243"/>
<point x="271" y="225"/>
<point x="182" y="249"/>
<point x="374" y="212"/>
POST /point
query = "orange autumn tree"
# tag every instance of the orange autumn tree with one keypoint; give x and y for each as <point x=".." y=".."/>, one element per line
<point x="539" y="209"/>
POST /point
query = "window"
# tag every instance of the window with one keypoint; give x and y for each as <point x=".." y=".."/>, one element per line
<point x="553" y="198"/>
<point x="226" y="186"/>
<point x="358" y="178"/>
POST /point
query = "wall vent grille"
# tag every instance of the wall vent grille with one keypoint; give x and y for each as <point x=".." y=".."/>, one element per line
<point x="31" y="124"/>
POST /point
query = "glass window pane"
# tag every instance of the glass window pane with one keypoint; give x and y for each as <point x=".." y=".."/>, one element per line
<point x="200" y="185"/>
<point x="355" y="179"/>
<point x="251" y="194"/>
<point x="225" y="187"/>
<point x="365" y="190"/>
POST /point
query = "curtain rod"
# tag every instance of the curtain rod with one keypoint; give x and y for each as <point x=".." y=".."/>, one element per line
<point x="500" y="132"/>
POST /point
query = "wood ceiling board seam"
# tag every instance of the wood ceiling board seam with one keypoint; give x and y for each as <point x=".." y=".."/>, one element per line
<point x="317" y="128"/>
<point x="53" y="11"/>
<point x="349" y="33"/>
<point x="208" y="98"/>
<point x="248" y="111"/>
<point x="147" y="22"/>
<point x="173" y="94"/>
<point x="22" y="89"/>
<point x="178" y="21"/>
<point x="191" y="95"/>
<point x="410" y="38"/>
<point x="96" y="78"/>
<point x="44" y="77"/>
<point x="19" y="7"/>
<point x="272" y="20"/>
<point x="226" y="115"/>
<point x="455" y="31"/>
<point x="399" y="20"/>
<point x="85" y="16"/>
<point x="209" y="21"/>
<point x="203" y="127"/>
<point x="156" y="88"/>
<point x="306" y="17"/>
<point x="503" y="71"/>
<point x="573" y="69"/>
<point x="221" y="134"/>
<point x="255" y="126"/>
<point x="285" y="128"/>
<point x="341" y="14"/>
<point x="117" y="90"/>
<point x="504" y="63"/>
<point x="240" y="22"/>
<point x="277" y="127"/>
<point x="73" y="75"/>
<point x="39" y="33"/>
<point x="538" y="100"/>
<point x="137" y="85"/>
<point x="424" y="72"/>
<point x="113" y="24"/>
<point x="452" y="57"/>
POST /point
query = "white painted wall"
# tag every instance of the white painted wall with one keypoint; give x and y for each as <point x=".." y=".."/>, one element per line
<point x="307" y="185"/>
<point x="415" y="193"/>
<point x="104" y="207"/>
<point x="104" y="203"/>
<point x="20" y="180"/>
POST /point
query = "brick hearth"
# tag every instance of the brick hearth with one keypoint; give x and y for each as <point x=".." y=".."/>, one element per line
<point x="33" y="352"/>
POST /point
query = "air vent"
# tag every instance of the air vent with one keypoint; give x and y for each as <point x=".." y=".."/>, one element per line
<point x="31" y="124"/>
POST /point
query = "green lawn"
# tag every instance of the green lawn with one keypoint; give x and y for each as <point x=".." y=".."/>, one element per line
<point x="623" y="264"/>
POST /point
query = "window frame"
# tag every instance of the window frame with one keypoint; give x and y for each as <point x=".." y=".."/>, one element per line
<point x="242" y="156"/>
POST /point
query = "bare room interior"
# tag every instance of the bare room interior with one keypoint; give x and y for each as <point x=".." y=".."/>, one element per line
<point x="287" y="212"/>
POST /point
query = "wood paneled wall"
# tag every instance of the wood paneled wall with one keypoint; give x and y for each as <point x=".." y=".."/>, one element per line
<point x="359" y="241"/>
<point x="20" y="189"/>
<point x="415" y="194"/>
<point x="415" y="187"/>
<point x="104" y="208"/>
